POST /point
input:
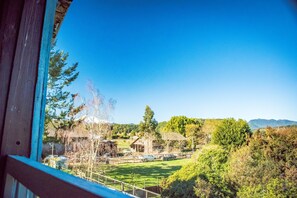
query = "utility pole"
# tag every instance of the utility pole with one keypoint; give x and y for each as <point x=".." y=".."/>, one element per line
<point x="52" y="145"/>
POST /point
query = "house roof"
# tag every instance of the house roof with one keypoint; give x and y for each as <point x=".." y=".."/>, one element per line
<point x="172" y="136"/>
<point x="138" y="141"/>
<point x="62" y="7"/>
<point x="77" y="134"/>
<point x="72" y="134"/>
<point x="167" y="136"/>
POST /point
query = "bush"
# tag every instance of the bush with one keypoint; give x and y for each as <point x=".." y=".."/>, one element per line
<point x="179" y="188"/>
<point x="267" y="167"/>
<point x="275" y="188"/>
<point x="204" y="176"/>
<point x="231" y="133"/>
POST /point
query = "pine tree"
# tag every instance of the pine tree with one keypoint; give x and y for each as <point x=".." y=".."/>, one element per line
<point x="148" y="128"/>
<point x="60" y="107"/>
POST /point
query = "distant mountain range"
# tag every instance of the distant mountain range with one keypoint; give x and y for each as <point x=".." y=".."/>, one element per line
<point x="263" y="123"/>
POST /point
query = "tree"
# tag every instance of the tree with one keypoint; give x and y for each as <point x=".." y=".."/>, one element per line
<point x="96" y="117"/>
<point x="194" y="134"/>
<point x="60" y="108"/>
<point x="124" y="130"/>
<point x="267" y="166"/>
<point x="148" y="128"/>
<point x="231" y="133"/>
<point x="209" y="126"/>
<point x="178" y="124"/>
<point x="161" y="126"/>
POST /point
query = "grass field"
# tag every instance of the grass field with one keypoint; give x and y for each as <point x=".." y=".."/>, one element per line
<point x="145" y="174"/>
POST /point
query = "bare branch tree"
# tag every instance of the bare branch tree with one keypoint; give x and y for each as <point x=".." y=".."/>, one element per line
<point x="97" y="116"/>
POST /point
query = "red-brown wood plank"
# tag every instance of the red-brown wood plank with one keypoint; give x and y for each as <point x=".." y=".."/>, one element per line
<point x="18" y="119"/>
<point x="20" y="77"/>
<point x="11" y="12"/>
<point x="10" y="19"/>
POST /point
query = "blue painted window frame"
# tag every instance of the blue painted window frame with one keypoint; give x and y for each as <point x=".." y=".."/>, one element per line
<point x="39" y="119"/>
<point x="41" y="84"/>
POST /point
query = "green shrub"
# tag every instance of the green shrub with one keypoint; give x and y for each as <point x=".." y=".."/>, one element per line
<point x="205" y="172"/>
<point x="274" y="188"/>
<point x="231" y="133"/>
<point x="267" y="167"/>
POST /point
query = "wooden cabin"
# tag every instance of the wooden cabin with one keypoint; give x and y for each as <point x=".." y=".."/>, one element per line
<point x="27" y="28"/>
<point x="107" y="147"/>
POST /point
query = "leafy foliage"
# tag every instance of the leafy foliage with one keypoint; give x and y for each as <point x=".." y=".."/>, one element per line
<point x="210" y="125"/>
<point x="124" y="131"/>
<point x="267" y="167"/>
<point x="161" y="126"/>
<point x="231" y="133"/>
<point x="274" y="188"/>
<point x="178" y="124"/>
<point x="203" y="177"/>
<point x="195" y="135"/>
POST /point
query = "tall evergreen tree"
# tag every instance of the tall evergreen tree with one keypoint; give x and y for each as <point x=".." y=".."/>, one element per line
<point x="149" y="124"/>
<point x="148" y="128"/>
<point x="60" y="108"/>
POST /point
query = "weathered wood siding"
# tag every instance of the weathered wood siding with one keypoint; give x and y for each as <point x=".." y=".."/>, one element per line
<point x="21" y="25"/>
<point x="9" y="29"/>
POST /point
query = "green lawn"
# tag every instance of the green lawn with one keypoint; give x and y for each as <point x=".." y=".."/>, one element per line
<point x="145" y="174"/>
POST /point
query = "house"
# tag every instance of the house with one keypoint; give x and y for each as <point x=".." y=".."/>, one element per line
<point x="77" y="140"/>
<point x="149" y="145"/>
<point x="108" y="147"/>
<point x="137" y="145"/>
<point x="27" y="28"/>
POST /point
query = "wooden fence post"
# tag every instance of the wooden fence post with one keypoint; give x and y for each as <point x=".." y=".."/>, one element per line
<point x="122" y="186"/>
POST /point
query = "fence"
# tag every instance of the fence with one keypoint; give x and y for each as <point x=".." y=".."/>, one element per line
<point x="75" y="159"/>
<point x="119" y="185"/>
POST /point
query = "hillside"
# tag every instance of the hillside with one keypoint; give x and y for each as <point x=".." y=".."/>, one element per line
<point x="263" y="123"/>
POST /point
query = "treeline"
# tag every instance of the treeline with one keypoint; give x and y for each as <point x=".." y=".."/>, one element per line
<point x="124" y="131"/>
<point x="238" y="163"/>
<point x="181" y="124"/>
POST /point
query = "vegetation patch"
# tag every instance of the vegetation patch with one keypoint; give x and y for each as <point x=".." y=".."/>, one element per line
<point x="262" y="164"/>
<point x="144" y="174"/>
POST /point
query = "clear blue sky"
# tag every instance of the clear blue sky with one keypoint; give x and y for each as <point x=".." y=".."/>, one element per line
<point x="205" y="59"/>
